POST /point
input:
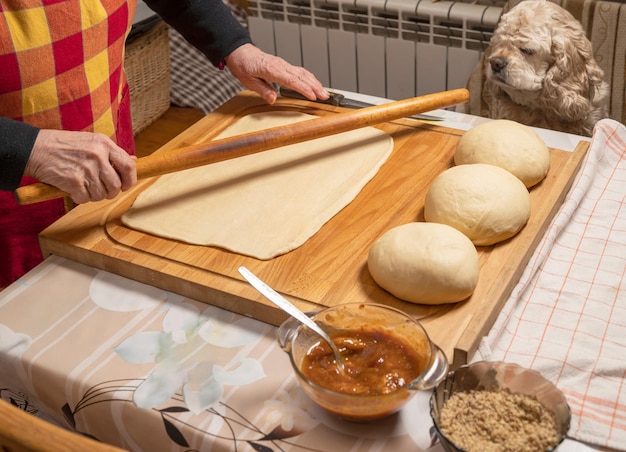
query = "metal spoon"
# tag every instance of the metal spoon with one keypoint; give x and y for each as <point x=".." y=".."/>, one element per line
<point x="290" y="309"/>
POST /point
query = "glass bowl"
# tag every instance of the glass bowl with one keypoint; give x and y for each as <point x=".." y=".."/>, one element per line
<point x="297" y="340"/>
<point x="486" y="376"/>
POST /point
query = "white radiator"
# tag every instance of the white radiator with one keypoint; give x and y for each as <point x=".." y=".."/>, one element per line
<point x="386" y="48"/>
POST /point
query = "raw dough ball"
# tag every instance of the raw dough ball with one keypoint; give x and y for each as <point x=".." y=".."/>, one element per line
<point x="425" y="263"/>
<point x="485" y="202"/>
<point x="509" y="145"/>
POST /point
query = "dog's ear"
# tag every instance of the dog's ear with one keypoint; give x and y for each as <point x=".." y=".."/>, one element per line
<point x="571" y="82"/>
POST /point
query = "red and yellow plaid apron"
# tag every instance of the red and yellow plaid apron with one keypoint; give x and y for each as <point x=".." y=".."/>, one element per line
<point x="61" y="68"/>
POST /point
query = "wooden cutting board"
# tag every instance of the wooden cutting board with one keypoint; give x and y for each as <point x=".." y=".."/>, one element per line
<point x="331" y="267"/>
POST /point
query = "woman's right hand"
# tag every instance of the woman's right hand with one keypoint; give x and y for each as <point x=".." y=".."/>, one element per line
<point x="88" y="166"/>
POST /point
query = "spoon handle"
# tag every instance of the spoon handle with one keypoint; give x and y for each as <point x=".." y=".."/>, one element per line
<point x="281" y="301"/>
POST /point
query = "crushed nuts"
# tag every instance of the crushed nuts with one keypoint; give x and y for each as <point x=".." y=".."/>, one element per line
<point x="498" y="420"/>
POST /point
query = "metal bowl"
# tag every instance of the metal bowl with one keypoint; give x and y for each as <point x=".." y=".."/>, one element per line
<point x="485" y="376"/>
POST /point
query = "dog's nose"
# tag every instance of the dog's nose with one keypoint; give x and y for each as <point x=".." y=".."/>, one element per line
<point x="497" y="64"/>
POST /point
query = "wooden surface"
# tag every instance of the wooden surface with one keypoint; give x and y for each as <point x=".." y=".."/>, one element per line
<point x="331" y="267"/>
<point x="174" y="121"/>
<point x="23" y="432"/>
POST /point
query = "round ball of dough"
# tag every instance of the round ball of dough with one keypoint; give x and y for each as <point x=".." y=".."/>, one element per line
<point x="509" y="145"/>
<point x="426" y="263"/>
<point x="485" y="202"/>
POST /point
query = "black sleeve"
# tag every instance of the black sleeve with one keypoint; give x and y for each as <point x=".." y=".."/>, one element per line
<point x="208" y="25"/>
<point x="16" y="143"/>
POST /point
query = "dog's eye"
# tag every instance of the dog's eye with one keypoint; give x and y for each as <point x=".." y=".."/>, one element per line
<point x="527" y="51"/>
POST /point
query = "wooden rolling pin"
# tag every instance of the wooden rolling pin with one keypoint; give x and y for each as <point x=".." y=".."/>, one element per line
<point x="187" y="157"/>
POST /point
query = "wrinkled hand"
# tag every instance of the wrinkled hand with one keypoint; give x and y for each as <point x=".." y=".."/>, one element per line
<point x="256" y="69"/>
<point x="88" y="166"/>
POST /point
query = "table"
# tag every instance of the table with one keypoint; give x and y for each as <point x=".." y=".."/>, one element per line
<point x="147" y="369"/>
<point x="144" y="368"/>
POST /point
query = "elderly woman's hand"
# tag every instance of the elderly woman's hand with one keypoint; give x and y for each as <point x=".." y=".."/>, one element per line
<point x="256" y="69"/>
<point x="88" y="166"/>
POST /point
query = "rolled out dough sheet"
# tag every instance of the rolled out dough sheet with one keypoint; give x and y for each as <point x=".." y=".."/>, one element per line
<point x="266" y="204"/>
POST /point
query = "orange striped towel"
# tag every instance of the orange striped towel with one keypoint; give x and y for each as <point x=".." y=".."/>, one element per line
<point x="566" y="318"/>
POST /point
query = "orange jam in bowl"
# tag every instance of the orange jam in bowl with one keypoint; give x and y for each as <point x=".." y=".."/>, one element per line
<point x="375" y="362"/>
<point x="382" y="349"/>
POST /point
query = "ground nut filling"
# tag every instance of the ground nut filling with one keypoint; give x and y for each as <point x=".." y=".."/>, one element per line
<point x="500" y="421"/>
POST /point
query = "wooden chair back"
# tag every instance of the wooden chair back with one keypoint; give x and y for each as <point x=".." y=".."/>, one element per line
<point x="23" y="432"/>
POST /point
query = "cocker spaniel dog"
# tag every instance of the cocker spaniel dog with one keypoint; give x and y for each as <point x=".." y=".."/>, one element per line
<point x="540" y="71"/>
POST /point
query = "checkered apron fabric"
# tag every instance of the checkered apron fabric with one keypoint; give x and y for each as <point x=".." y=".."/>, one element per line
<point x="62" y="64"/>
<point x="566" y="317"/>
<point x="61" y="68"/>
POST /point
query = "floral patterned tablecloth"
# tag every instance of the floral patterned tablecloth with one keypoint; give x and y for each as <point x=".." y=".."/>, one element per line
<point x="146" y="369"/>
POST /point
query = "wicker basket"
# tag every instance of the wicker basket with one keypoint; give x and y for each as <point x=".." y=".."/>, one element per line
<point x="147" y="65"/>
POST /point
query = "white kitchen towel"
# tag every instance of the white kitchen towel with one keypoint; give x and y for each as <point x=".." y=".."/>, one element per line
<point x="566" y="318"/>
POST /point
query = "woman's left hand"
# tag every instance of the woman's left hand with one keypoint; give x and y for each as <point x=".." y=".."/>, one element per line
<point x="256" y="69"/>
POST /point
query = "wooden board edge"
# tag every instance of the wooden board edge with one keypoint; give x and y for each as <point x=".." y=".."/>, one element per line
<point x="479" y="327"/>
<point x="239" y="297"/>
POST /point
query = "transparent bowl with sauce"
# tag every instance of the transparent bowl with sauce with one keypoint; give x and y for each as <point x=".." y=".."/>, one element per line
<point x="493" y="376"/>
<point x="354" y="318"/>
